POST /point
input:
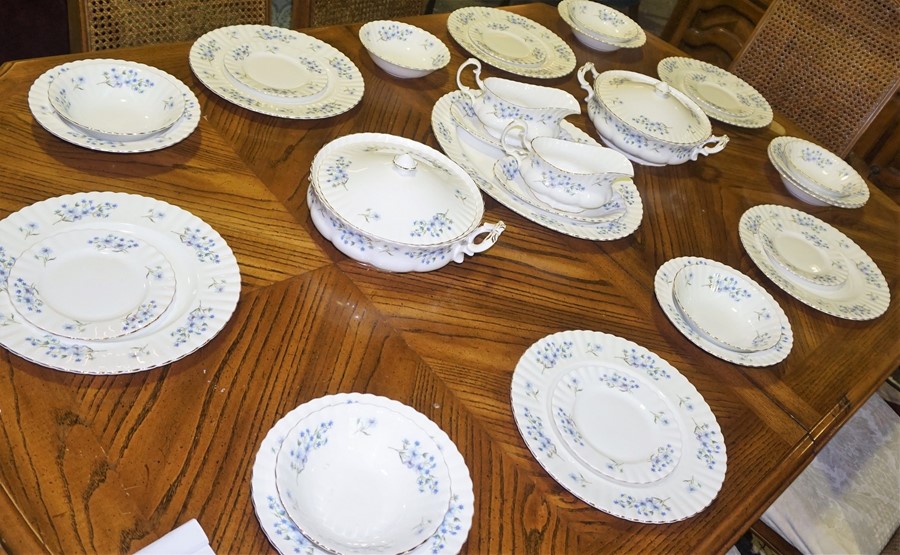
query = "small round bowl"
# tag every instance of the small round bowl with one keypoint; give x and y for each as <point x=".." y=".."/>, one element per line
<point x="403" y="50"/>
<point x="358" y="479"/>
<point x="600" y="27"/>
<point x="727" y="308"/>
<point x="116" y="99"/>
<point x="821" y="170"/>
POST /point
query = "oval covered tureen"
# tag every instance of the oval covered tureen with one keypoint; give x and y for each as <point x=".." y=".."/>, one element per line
<point x="645" y="119"/>
<point x="396" y="204"/>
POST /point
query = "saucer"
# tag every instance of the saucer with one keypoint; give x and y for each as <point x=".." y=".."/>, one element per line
<point x="865" y="294"/>
<point x="91" y="284"/>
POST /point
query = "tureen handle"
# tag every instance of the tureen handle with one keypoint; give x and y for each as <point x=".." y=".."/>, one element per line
<point x="466" y="90"/>
<point x="718" y="144"/>
<point x="470" y="247"/>
<point x="584" y="83"/>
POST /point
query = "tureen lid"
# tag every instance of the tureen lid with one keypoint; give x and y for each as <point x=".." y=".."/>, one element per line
<point x="652" y="107"/>
<point x="396" y="189"/>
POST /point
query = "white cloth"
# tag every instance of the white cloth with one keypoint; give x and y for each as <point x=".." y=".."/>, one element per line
<point x="187" y="539"/>
<point x="848" y="499"/>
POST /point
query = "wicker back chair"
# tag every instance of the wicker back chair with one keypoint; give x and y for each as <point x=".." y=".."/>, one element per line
<point x="102" y="24"/>
<point x="318" y="13"/>
<point x="828" y="65"/>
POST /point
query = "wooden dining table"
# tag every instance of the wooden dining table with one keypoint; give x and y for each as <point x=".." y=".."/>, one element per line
<point x="110" y="463"/>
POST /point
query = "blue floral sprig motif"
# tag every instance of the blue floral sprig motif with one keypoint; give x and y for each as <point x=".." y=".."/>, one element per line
<point x="155" y="215"/>
<point x="310" y="64"/>
<point x="510" y="168"/>
<point x="428" y="255"/>
<point x="155" y="273"/>
<point x="435" y="227"/>
<point x="83" y="209"/>
<point x="660" y="418"/>
<point x="27" y="294"/>
<point x="561" y="181"/>
<point x="551" y="353"/>
<point x="306" y="442"/>
<point x="139" y="351"/>
<point x="8" y="320"/>
<point x="686" y="403"/>
<point x="814" y="238"/>
<point x="207" y="51"/>
<point x="728" y="285"/>
<point x="343" y="67"/>
<point x="579" y="479"/>
<point x="646" y="362"/>
<point x="204" y="247"/>
<point x="692" y="485"/>
<point x="285" y="528"/>
<point x="648" y="506"/>
<point x="808" y="221"/>
<point x="113" y="243"/>
<point x="535" y="430"/>
<point x="274" y="34"/>
<point x="422" y="462"/>
<point x="44" y="255"/>
<point x="241" y="52"/>
<point x="574" y="385"/>
<point x="761" y="338"/>
<point x="567" y="425"/>
<point x="594" y="349"/>
<point x="6" y="264"/>
<point x="710" y="445"/>
<point x="65" y="351"/>
<point x="370" y="215"/>
<point x="127" y="78"/>
<point x="394" y="32"/>
<point x="196" y="324"/>
<point x="663" y="458"/>
<point x="871" y="272"/>
<point x="217" y="285"/>
<point x="363" y="425"/>
<point x="531" y="390"/>
<point x="352" y="238"/>
<point x="144" y="313"/>
<point x="629" y="135"/>
<point x="450" y="526"/>
<point x="624" y="384"/>
<point x="815" y="156"/>
<point x="651" y="126"/>
<point x="336" y="173"/>
<point x="520" y="21"/>
<point x="29" y="230"/>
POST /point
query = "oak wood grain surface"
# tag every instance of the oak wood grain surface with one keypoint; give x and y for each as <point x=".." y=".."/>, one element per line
<point x="108" y="464"/>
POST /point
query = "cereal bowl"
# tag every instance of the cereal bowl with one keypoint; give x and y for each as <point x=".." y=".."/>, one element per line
<point x="600" y="27"/>
<point x="403" y="50"/>
<point x="116" y="99"/>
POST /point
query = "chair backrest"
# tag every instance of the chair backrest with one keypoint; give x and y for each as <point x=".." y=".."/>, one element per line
<point x="102" y="24"/>
<point x="828" y="65"/>
<point x="318" y="13"/>
<point x="713" y="30"/>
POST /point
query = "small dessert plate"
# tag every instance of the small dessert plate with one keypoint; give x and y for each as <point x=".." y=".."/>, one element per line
<point x="403" y="50"/>
<point x="279" y="69"/>
<point x="116" y="99"/>
<point x="727" y="308"/>
<point x="92" y="284"/>
<point x="618" y="424"/>
<point x="359" y="478"/>
<point x="804" y="251"/>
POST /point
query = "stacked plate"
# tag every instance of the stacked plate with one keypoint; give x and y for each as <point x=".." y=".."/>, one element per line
<point x="114" y="105"/>
<point x="720" y="94"/>
<point x="618" y="426"/>
<point x="511" y="42"/>
<point x="723" y="311"/>
<point x="111" y="283"/>
<point x="356" y="473"/>
<point x="277" y="71"/>
<point x="816" y="175"/>
<point x="465" y="141"/>
<point x="814" y="262"/>
<point x="601" y="27"/>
